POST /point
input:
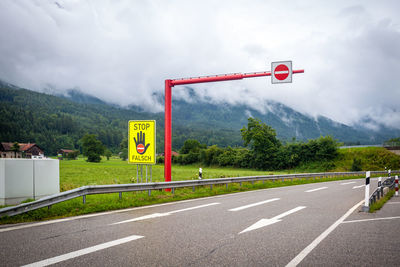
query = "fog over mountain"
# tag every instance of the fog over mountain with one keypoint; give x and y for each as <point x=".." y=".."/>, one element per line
<point x="122" y="51"/>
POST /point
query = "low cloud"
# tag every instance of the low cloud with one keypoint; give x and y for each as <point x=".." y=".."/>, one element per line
<point x="122" y="51"/>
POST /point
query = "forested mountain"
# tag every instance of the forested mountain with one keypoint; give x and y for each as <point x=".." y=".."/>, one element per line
<point x="55" y="122"/>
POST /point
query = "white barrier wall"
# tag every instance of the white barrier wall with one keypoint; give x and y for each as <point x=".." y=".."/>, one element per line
<point x="21" y="179"/>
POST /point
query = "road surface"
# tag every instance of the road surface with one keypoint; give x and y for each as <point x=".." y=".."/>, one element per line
<point x="305" y="225"/>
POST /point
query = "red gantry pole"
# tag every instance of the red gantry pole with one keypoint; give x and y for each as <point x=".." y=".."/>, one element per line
<point x="168" y="100"/>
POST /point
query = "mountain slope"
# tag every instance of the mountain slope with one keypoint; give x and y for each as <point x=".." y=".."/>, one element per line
<point x="55" y="122"/>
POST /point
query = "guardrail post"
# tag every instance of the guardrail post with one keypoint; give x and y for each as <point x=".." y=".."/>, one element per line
<point x="194" y="188"/>
<point x="84" y="199"/>
<point x="149" y="192"/>
<point x="211" y="187"/>
<point x="379" y="187"/>
<point x="120" y="195"/>
<point x="226" y="186"/>
<point x="366" y="202"/>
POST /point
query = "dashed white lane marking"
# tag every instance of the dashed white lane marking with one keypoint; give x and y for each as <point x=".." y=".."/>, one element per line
<point x="316" y="189"/>
<point x="296" y="260"/>
<point x="254" y="204"/>
<point x="84" y="251"/>
<point x="347" y="183"/>
<point x="358" y="186"/>
<point x="156" y="215"/>
<point x="393" y="203"/>
<point x="374" y="219"/>
<point x="266" y="222"/>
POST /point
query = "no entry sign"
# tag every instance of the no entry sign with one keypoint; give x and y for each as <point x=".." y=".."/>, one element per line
<point x="281" y="72"/>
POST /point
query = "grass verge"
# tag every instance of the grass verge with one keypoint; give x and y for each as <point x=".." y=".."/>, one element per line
<point x="379" y="204"/>
<point x="107" y="202"/>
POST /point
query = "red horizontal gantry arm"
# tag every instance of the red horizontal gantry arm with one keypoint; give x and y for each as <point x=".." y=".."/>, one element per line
<point x="223" y="77"/>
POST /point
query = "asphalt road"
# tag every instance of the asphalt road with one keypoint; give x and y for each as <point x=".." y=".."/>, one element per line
<point x="307" y="225"/>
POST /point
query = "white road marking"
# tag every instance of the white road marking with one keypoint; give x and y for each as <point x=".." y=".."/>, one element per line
<point x="84" y="251"/>
<point x="254" y="204"/>
<point x="266" y="222"/>
<point x="156" y="215"/>
<point x="29" y="225"/>
<point x="347" y="183"/>
<point x="393" y="203"/>
<point x="358" y="186"/>
<point x="296" y="260"/>
<point x="374" y="219"/>
<point x="316" y="189"/>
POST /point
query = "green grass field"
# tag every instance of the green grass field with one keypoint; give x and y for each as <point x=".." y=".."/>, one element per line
<point x="76" y="173"/>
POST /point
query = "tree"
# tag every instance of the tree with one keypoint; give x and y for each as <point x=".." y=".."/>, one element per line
<point x="124" y="149"/>
<point x="15" y="147"/>
<point x="191" y="145"/>
<point x="108" y="154"/>
<point x="264" y="145"/>
<point x="92" y="148"/>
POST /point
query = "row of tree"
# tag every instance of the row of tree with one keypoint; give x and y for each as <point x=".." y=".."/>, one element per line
<point x="263" y="150"/>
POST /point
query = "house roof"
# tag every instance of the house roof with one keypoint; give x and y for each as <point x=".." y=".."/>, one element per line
<point x="66" y="150"/>
<point x="22" y="146"/>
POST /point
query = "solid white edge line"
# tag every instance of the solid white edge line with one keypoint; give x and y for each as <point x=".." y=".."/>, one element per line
<point x="316" y="189"/>
<point x="296" y="260"/>
<point x="374" y="219"/>
<point x="84" y="251"/>
<point x="254" y="204"/>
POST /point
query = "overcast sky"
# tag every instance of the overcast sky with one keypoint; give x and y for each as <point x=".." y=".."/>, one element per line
<point x="122" y="51"/>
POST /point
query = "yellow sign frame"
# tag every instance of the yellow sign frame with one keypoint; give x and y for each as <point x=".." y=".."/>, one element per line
<point x="142" y="142"/>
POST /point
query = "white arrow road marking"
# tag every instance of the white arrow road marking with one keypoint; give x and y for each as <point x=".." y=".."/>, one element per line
<point x="348" y="183"/>
<point x="156" y="215"/>
<point x="316" y="189"/>
<point x="358" y="186"/>
<point x="266" y="222"/>
<point x="254" y="204"/>
<point x="84" y="251"/>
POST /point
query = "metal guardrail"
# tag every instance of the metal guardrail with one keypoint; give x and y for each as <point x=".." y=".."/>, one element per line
<point x="119" y="188"/>
<point x="378" y="193"/>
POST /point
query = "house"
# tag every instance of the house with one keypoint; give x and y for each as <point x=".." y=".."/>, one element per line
<point x="173" y="153"/>
<point x="63" y="153"/>
<point x="30" y="150"/>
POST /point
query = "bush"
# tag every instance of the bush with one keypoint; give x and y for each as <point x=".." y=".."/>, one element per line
<point x="160" y="159"/>
<point x="356" y="166"/>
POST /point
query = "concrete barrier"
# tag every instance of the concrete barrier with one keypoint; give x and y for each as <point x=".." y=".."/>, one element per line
<point x="21" y="179"/>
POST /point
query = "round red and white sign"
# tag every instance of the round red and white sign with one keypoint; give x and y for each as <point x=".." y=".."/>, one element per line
<point x="140" y="148"/>
<point x="281" y="72"/>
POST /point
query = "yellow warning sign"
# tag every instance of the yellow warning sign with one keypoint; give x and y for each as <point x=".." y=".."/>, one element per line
<point x="142" y="142"/>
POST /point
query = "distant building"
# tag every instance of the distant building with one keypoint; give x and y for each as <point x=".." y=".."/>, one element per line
<point x="30" y="150"/>
<point x="63" y="153"/>
<point x="394" y="149"/>
<point x="173" y="153"/>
